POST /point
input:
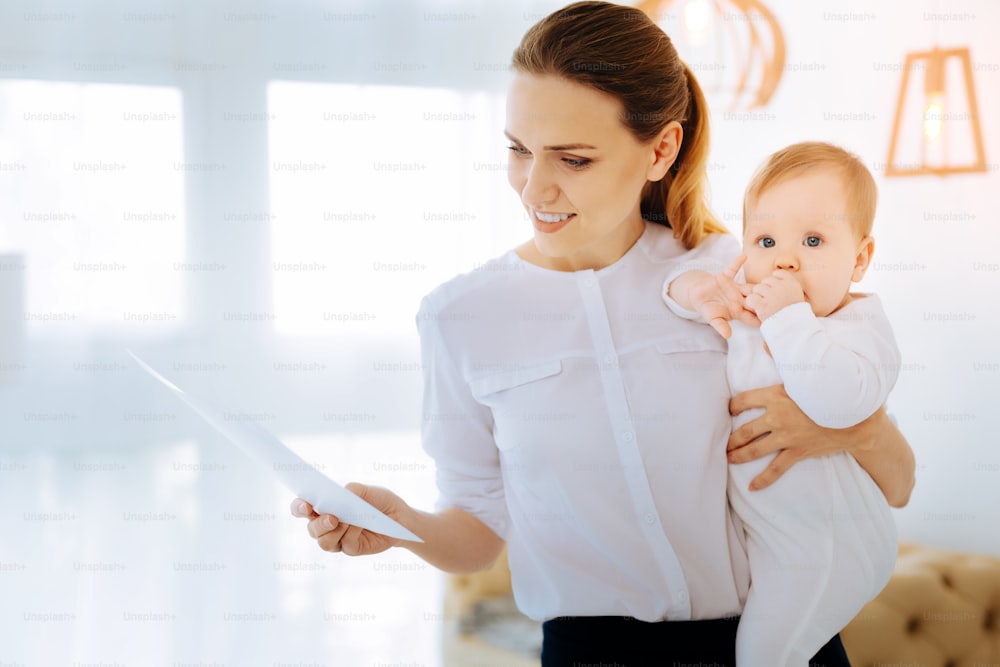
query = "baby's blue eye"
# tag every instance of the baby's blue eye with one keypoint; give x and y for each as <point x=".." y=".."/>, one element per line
<point x="813" y="241"/>
<point x="765" y="242"/>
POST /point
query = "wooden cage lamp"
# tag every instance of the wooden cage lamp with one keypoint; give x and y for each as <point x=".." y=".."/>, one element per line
<point x="938" y="122"/>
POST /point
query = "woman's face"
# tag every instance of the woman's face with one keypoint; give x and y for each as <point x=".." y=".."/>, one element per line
<point x="578" y="170"/>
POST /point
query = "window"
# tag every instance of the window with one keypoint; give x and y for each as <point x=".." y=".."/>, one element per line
<point x="92" y="199"/>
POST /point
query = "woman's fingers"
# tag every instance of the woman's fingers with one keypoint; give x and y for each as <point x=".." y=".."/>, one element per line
<point x="741" y="448"/>
<point x="350" y="543"/>
<point x="332" y="540"/>
<point x="761" y="397"/>
<point x="328" y="532"/>
<point x="301" y="508"/>
<point x="321" y="525"/>
<point x="326" y="529"/>
<point x="775" y="469"/>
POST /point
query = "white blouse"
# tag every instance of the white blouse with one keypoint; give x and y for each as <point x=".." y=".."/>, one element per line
<point x="586" y="424"/>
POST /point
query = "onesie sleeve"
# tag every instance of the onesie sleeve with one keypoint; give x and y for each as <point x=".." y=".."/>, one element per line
<point x="712" y="255"/>
<point x="457" y="432"/>
<point x="838" y="369"/>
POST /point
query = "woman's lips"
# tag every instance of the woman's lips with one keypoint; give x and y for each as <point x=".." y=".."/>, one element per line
<point x="547" y="227"/>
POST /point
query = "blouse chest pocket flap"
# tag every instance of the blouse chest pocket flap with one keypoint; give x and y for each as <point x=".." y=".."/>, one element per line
<point x="687" y="342"/>
<point x="523" y="374"/>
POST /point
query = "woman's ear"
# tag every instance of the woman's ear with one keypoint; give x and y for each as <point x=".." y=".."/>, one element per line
<point x="666" y="146"/>
<point x="865" y="251"/>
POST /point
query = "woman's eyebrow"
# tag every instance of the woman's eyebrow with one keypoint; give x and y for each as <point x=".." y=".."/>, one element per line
<point x="560" y="147"/>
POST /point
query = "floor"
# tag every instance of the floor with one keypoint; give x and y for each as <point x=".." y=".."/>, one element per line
<point x="185" y="554"/>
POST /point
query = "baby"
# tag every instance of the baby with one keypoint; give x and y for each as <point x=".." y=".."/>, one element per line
<point x="821" y="541"/>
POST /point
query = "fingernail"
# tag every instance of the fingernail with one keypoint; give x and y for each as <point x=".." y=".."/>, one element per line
<point x="300" y="507"/>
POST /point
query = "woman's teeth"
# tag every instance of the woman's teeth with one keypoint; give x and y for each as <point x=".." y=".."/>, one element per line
<point x="552" y="217"/>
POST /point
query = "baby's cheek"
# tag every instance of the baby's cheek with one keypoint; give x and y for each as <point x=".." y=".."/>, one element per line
<point x="755" y="270"/>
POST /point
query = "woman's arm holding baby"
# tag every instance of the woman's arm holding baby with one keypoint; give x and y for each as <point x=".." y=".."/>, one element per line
<point x="876" y="444"/>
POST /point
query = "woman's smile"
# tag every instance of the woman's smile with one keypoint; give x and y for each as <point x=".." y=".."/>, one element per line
<point x="549" y="223"/>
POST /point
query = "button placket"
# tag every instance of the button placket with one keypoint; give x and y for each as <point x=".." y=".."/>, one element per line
<point x="630" y="455"/>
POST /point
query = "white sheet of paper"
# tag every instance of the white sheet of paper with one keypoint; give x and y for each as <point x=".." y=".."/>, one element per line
<point x="298" y="476"/>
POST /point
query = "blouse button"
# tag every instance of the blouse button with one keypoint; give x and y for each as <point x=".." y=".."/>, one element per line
<point x="649" y="518"/>
<point x="682" y="596"/>
<point x="589" y="282"/>
<point x="628" y="436"/>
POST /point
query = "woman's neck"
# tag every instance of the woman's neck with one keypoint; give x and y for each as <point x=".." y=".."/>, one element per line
<point x="596" y="255"/>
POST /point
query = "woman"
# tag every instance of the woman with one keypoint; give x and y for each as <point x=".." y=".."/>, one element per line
<point x="569" y="413"/>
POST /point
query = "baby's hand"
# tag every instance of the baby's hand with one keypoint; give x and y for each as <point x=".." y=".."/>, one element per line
<point x="770" y="295"/>
<point x="717" y="298"/>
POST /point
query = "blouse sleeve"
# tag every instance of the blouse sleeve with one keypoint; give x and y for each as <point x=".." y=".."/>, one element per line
<point x="712" y="255"/>
<point x="457" y="432"/>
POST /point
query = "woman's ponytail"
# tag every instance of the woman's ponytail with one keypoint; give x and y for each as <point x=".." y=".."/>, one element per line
<point x="686" y="197"/>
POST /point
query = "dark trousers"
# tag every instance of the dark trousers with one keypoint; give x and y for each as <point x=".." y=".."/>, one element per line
<point x="614" y="641"/>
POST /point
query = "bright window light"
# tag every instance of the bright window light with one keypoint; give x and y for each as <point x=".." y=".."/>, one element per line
<point x="92" y="199"/>
<point x="379" y="194"/>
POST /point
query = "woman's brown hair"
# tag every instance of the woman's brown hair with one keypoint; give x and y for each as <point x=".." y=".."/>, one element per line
<point x="620" y="51"/>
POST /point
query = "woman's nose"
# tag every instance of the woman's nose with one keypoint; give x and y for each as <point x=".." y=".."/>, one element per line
<point x="539" y="186"/>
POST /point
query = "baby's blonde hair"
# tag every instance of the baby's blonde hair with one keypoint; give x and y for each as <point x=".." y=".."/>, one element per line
<point x="859" y="185"/>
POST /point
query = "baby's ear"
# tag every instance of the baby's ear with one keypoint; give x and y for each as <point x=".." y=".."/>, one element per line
<point x="866" y="248"/>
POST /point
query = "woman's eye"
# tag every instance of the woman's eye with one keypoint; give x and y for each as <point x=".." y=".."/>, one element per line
<point x="518" y="150"/>
<point x="813" y="241"/>
<point x="765" y="242"/>
<point x="577" y="163"/>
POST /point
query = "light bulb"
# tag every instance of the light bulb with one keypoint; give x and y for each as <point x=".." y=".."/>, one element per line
<point x="696" y="19"/>
<point x="933" y="116"/>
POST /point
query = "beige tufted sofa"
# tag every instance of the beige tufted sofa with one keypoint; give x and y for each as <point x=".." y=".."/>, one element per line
<point x="940" y="609"/>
